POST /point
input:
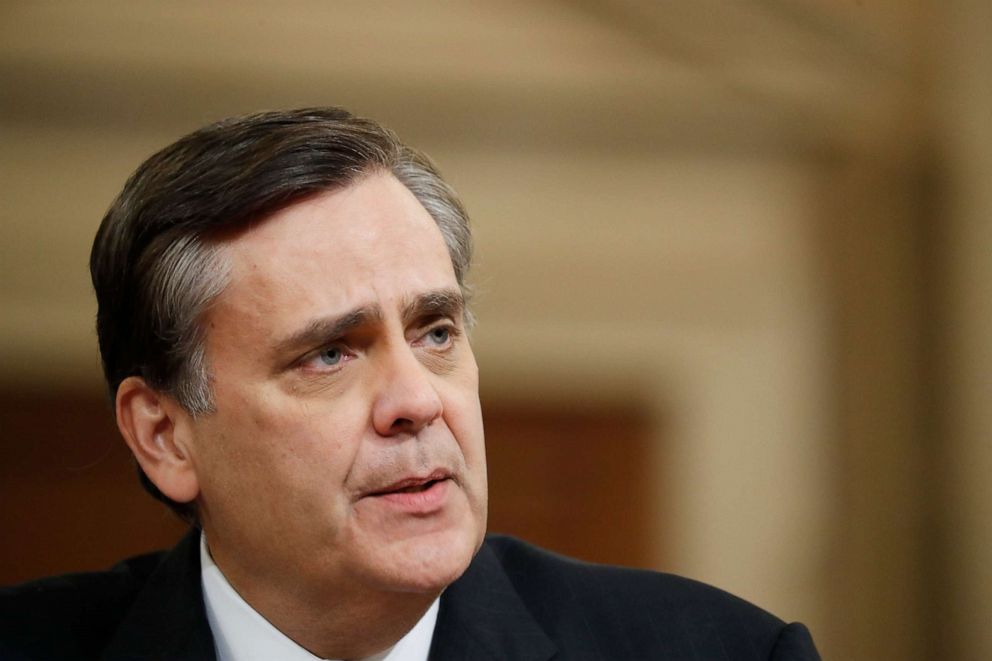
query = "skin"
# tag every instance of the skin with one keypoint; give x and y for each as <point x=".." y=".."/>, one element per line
<point x="340" y="365"/>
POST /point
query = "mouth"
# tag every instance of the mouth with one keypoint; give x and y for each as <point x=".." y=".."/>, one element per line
<point x="418" y="495"/>
<point x="412" y="484"/>
<point x="415" y="488"/>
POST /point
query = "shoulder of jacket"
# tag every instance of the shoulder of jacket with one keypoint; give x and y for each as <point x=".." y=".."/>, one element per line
<point x="546" y="576"/>
<point x="66" y="616"/>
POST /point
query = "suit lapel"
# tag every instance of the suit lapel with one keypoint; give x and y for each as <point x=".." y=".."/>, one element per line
<point x="482" y="617"/>
<point x="168" y="619"/>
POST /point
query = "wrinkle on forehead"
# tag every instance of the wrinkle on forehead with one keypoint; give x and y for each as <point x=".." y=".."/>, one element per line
<point x="371" y="244"/>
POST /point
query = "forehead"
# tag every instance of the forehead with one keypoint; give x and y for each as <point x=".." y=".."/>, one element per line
<point x="369" y="243"/>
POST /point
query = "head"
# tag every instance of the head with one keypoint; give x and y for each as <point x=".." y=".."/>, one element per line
<point x="156" y="268"/>
<point x="282" y="317"/>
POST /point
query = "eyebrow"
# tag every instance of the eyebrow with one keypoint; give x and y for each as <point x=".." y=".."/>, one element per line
<point x="438" y="303"/>
<point x="327" y="329"/>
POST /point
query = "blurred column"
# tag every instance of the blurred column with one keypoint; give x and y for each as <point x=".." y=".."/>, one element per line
<point x="964" y="101"/>
<point x="875" y="580"/>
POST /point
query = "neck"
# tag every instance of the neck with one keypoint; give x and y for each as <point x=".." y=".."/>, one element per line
<point x="345" y="631"/>
<point x="334" y="621"/>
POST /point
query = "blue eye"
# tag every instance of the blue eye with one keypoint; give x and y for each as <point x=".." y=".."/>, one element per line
<point x="331" y="356"/>
<point x="440" y="335"/>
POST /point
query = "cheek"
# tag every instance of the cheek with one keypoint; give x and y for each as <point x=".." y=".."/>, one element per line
<point x="464" y="419"/>
<point x="464" y="409"/>
<point x="278" y="447"/>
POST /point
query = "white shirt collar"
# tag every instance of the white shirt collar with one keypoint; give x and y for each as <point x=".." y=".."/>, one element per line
<point x="242" y="634"/>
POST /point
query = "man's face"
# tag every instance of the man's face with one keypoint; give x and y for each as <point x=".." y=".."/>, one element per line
<point x="346" y="448"/>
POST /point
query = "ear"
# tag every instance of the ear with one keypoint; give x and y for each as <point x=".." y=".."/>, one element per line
<point x="158" y="432"/>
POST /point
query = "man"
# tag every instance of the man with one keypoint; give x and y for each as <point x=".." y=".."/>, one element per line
<point x="283" y="323"/>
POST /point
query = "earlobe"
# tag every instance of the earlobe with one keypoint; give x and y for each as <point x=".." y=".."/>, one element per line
<point x="155" y="429"/>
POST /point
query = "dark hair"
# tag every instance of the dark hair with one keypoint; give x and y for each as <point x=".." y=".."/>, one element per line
<point x="155" y="269"/>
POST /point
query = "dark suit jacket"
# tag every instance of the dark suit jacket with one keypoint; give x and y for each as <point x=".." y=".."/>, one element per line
<point x="514" y="602"/>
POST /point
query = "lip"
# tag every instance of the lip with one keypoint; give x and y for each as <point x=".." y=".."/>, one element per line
<point x="430" y="499"/>
<point x="411" y="481"/>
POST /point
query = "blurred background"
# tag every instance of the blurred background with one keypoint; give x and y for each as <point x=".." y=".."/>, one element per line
<point x="733" y="274"/>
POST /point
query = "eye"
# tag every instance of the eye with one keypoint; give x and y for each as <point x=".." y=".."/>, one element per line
<point x="439" y="336"/>
<point x="330" y="356"/>
<point x="326" y="360"/>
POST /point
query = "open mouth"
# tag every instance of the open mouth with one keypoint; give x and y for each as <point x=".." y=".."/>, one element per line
<point x="418" y="496"/>
<point x="414" y="488"/>
<point x="413" y="485"/>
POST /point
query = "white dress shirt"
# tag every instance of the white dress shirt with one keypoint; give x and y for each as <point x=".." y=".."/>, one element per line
<point x="242" y="634"/>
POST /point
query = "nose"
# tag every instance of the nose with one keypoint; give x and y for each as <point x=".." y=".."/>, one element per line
<point x="406" y="399"/>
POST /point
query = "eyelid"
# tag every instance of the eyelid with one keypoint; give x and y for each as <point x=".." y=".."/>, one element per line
<point x="313" y="354"/>
<point x="446" y="323"/>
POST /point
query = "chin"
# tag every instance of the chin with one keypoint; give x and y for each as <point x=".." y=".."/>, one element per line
<point x="428" y="565"/>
